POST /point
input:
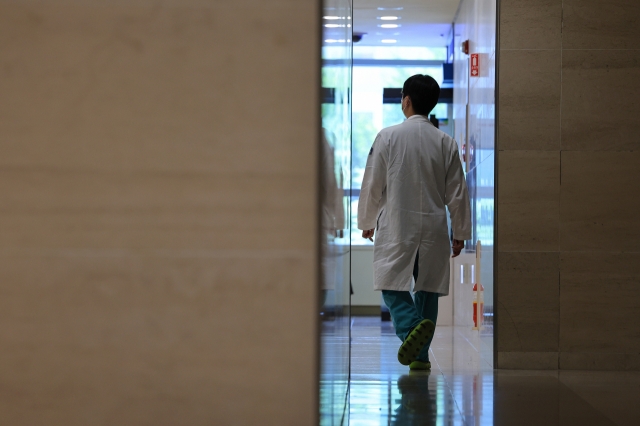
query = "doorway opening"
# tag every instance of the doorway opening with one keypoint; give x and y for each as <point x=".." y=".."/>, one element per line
<point x="454" y="42"/>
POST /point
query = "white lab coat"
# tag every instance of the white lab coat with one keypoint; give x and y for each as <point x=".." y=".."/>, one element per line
<point x="413" y="171"/>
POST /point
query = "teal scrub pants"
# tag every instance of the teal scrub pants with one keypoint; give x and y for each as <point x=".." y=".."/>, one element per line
<point x="407" y="312"/>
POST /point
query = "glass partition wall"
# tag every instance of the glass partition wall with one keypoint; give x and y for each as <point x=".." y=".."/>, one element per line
<point x="335" y="240"/>
<point x="475" y="127"/>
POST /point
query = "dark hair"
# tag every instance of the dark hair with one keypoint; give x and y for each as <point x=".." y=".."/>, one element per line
<point x="424" y="92"/>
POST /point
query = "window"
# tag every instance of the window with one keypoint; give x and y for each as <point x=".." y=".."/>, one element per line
<point x="370" y="115"/>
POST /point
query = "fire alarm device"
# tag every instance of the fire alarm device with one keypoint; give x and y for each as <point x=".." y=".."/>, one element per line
<point x="465" y="47"/>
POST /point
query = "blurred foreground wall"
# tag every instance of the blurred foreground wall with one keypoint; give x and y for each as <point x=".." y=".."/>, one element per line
<point x="158" y="212"/>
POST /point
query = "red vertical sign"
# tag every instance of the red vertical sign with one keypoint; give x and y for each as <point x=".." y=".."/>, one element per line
<point x="475" y="65"/>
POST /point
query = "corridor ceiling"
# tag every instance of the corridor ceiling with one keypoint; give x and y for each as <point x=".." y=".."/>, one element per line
<point x="420" y="22"/>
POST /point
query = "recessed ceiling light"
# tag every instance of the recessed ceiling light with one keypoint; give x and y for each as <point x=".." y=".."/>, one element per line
<point x="331" y="18"/>
<point x="333" y="25"/>
<point x="389" y="26"/>
<point x="389" y="40"/>
<point x="389" y="18"/>
<point x="390" y="8"/>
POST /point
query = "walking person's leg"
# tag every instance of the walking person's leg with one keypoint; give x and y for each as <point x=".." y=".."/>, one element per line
<point x="403" y="311"/>
<point x="414" y="331"/>
<point x="426" y="304"/>
<point x="411" y="328"/>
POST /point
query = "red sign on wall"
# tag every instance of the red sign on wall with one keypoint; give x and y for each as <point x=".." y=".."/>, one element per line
<point x="475" y="65"/>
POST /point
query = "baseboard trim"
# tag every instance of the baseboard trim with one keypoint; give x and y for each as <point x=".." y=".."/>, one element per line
<point x="598" y="361"/>
<point x="528" y="360"/>
<point x="365" y="311"/>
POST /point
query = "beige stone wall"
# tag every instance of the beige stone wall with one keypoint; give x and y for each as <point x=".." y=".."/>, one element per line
<point x="157" y="225"/>
<point x="569" y="185"/>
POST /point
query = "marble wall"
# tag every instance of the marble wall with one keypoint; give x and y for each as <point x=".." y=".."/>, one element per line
<point x="158" y="247"/>
<point x="569" y="215"/>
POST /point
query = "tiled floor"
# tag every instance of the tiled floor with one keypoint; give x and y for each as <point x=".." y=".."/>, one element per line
<point x="463" y="389"/>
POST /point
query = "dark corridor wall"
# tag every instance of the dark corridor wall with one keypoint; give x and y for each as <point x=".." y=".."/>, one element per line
<point x="569" y="185"/>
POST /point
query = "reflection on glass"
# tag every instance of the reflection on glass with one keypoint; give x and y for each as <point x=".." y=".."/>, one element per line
<point x="335" y="212"/>
<point x="474" y="129"/>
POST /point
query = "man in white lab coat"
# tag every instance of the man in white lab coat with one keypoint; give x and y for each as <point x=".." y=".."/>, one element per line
<point x="412" y="173"/>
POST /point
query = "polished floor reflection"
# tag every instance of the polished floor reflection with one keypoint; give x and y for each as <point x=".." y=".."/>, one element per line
<point x="463" y="389"/>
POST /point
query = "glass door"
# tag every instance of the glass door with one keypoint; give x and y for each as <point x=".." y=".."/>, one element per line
<point x="335" y="236"/>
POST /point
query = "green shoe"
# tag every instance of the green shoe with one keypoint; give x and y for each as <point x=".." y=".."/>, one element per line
<point x="419" y="365"/>
<point x="415" y="341"/>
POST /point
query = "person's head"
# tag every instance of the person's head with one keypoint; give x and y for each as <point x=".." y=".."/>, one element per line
<point x="420" y="95"/>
